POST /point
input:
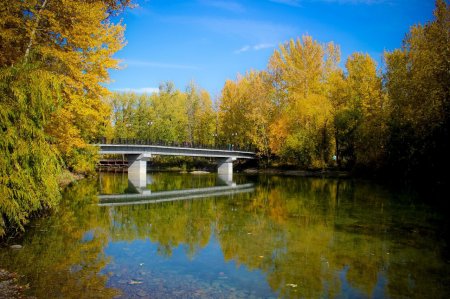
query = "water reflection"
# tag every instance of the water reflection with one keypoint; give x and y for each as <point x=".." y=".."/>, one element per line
<point x="135" y="195"/>
<point x="291" y="237"/>
<point x="63" y="254"/>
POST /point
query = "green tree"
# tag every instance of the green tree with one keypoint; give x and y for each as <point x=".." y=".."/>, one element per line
<point x="54" y="57"/>
<point x="169" y="110"/>
<point x="200" y="116"/>
<point x="122" y="118"/>
<point x="29" y="165"/>
<point x="360" y="111"/>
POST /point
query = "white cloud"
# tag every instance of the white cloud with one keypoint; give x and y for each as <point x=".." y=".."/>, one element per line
<point x="154" y="64"/>
<point x="257" y="47"/>
<point x="243" y="49"/>
<point x="138" y="90"/>
<point x="262" y="46"/>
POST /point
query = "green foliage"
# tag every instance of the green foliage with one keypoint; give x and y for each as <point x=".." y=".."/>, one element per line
<point x="54" y="57"/>
<point x="59" y="261"/>
<point x="29" y="165"/>
<point x="170" y="116"/>
<point x="360" y="112"/>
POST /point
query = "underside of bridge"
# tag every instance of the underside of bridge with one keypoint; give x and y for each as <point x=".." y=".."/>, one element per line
<point x="137" y="168"/>
<point x="138" y="155"/>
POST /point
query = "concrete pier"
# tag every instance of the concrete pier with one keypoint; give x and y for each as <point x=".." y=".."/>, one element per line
<point x="225" y="169"/>
<point x="137" y="169"/>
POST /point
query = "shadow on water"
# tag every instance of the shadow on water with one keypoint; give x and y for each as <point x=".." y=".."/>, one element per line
<point x="284" y="237"/>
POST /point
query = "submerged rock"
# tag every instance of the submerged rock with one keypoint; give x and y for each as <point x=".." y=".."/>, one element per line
<point x="199" y="172"/>
<point x="142" y="293"/>
<point x="9" y="287"/>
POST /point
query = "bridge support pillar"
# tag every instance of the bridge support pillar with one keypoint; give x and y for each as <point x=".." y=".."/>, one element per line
<point x="137" y="169"/>
<point x="225" y="168"/>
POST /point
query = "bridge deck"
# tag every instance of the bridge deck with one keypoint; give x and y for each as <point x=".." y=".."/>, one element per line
<point x="130" y="149"/>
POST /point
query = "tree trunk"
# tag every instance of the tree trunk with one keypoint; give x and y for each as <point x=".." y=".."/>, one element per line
<point x="33" y="31"/>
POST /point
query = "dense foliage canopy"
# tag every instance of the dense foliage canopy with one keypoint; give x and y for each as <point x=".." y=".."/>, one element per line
<point x="54" y="55"/>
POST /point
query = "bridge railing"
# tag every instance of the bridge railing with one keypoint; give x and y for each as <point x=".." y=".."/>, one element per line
<point x="133" y="141"/>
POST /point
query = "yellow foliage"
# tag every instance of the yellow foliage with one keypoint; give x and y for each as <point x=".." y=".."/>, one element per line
<point x="54" y="57"/>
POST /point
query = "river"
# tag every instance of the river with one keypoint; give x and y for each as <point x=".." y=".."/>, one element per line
<point x="253" y="237"/>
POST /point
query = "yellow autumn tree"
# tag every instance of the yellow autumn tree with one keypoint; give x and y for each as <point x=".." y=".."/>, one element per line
<point x="359" y="111"/>
<point x="74" y="40"/>
<point x="302" y="131"/>
<point x="233" y="120"/>
<point x="54" y="57"/>
<point x="200" y="114"/>
<point x="245" y="111"/>
<point x="366" y="99"/>
<point x="262" y="95"/>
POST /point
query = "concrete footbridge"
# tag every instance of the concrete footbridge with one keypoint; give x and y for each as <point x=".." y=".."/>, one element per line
<point x="138" y="155"/>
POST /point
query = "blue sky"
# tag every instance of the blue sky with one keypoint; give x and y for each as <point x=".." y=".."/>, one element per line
<point x="210" y="41"/>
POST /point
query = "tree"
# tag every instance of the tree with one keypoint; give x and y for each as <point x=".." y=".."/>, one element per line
<point x="262" y="94"/>
<point x="360" y="111"/>
<point x="169" y="111"/>
<point x="54" y="55"/>
<point x="418" y="86"/>
<point x="300" y="71"/>
<point x="122" y="118"/>
<point x="29" y="165"/>
<point x="205" y="128"/>
<point x="76" y="41"/>
<point x="245" y="111"/>
<point x="200" y="116"/>
<point x="233" y="118"/>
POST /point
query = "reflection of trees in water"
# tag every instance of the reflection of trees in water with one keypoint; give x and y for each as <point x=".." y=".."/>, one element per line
<point x="117" y="183"/>
<point x="311" y="237"/>
<point x="63" y="254"/>
<point x="303" y="233"/>
<point x="170" y="224"/>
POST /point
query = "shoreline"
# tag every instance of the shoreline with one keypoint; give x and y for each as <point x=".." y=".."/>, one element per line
<point x="302" y="173"/>
<point x="10" y="287"/>
<point x="340" y="174"/>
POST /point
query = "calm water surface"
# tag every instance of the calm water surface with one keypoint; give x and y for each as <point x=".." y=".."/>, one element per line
<point x="259" y="237"/>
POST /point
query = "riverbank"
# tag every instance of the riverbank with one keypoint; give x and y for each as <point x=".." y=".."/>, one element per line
<point x="9" y="286"/>
<point x="67" y="177"/>
<point x="304" y="173"/>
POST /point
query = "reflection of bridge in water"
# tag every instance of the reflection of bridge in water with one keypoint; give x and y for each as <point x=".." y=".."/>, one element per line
<point x="148" y="197"/>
